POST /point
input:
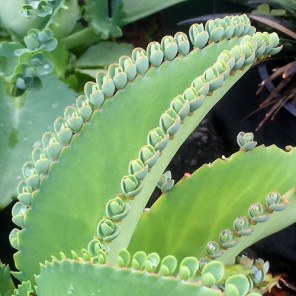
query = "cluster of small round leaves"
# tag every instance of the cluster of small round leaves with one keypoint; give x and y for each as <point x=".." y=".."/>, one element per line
<point x="181" y="106"/>
<point x="256" y="212"/>
<point x="182" y="43"/>
<point x="218" y="29"/>
<point x="117" y="209"/>
<point x="94" y="247"/>
<point x="169" y="47"/>
<point x="170" y="121"/>
<point x="213" y="249"/>
<point x="36" y="40"/>
<point x="123" y="258"/>
<point x="237" y="285"/>
<point x="168" y="265"/>
<point x="165" y="182"/>
<point x="107" y="230"/>
<point x="212" y="273"/>
<point x="34" y="8"/>
<point x="203" y="262"/>
<point x="138" y="260"/>
<point x="51" y="145"/>
<point x="212" y="277"/>
<point x="241" y="226"/>
<point x="276" y="202"/>
<point x="188" y="268"/>
<point x="198" y="36"/>
<point x="138" y="169"/>
<point x="227" y="239"/>
<point x="31" y="174"/>
<point x="158" y="138"/>
<point x="246" y="141"/>
<point x="24" y="193"/>
<point x="62" y="130"/>
<point x="131" y="186"/>
<point x="194" y="98"/>
<point x="155" y="54"/>
<point x="152" y="262"/>
<point x="148" y="155"/>
<point x="259" y="271"/>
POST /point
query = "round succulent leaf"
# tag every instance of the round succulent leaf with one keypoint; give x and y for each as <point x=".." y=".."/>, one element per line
<point x="138" y="260"/>
<point x="196" y="103"/>
<point x="240" y="282"/>
<point x="154" y="259"/>
<point x="25" y="198"/>
<point x="226" y="238"/>
<point x="231" y="290"/>
<point x="188" y="267"/>
<point x="108" y="86"/>
<point x="129" y="67"/>
<point x="168" y="265"/>
<point x="169" y="47"/>
<point x="116" y="209"/>
<point x="13" y="238"/>
<point x="183" y="43"/>
<point x="101" y="257"/>
<point x="158" y="139"/>
<point x="275" y="50"/>
<point x="181" y="106"/>
<point x="141" y="60"/>
<point x="155" y="54"/>
<point x="239" y="63"/>
<point x="148" y="155"/>
<point x="208" y="279"/>
<point x="94" y="246"/>
<point x="107" y="230"/>
<point x="130" y="185"/>
<point x="215" y="269"/>
<point x="228" y="32"/>
<point x="120" y="78"/>
<point x="213" y="249"/>
<point x="216" y="34"/>
<point x="138" y="169"/>
<point x="124" y="258"/>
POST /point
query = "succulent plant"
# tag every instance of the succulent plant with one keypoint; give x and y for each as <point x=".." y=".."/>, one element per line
<point x="80" y="214"/>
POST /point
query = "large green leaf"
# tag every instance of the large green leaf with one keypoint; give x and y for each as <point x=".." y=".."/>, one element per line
<point x="90" y="170"/>
<point x="138" y="9"/>
<point x="69" y="277"/>
<point x="22" y="122"/>
<point x="194" y="212"/>
<point x="103" y="54"/>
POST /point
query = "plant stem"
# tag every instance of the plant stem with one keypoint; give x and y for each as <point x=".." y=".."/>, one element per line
<point x="85" y="36"/>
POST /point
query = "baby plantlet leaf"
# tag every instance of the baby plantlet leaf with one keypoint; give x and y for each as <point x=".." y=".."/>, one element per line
<point x="168" y="265"/>
<point x="212" y="273"/>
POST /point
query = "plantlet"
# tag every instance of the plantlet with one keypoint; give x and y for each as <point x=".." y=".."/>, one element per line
<point x="82" y="200"/>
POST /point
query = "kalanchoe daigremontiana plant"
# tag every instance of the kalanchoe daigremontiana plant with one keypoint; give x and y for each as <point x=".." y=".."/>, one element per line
<point x="82" y="200"/>
<point x="49" y="47"/>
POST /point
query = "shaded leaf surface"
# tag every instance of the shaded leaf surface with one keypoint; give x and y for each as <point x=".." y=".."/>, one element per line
<point x="21" y="128"/>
